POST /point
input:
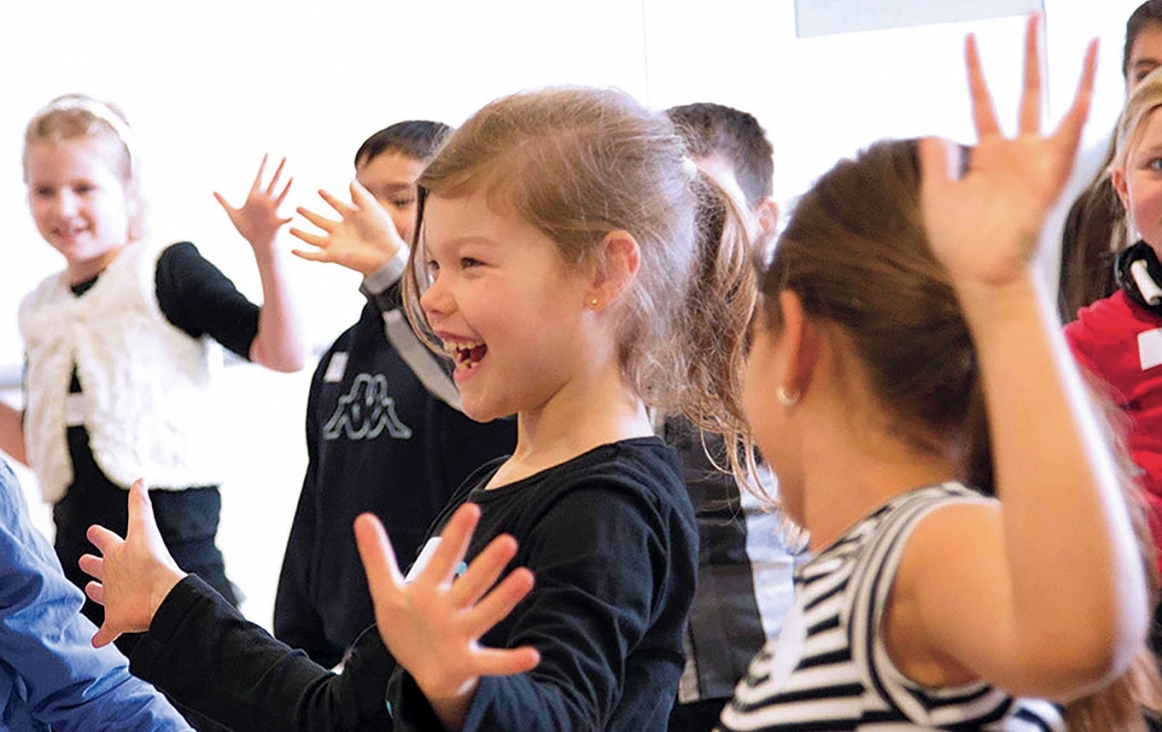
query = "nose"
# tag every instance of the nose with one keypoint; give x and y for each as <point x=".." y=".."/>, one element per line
<point x="436" y="301"/>
<point x="66" y="203"/>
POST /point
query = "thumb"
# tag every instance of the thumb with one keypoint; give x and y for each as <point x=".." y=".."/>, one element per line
<point x="378" y="557"/>
<point x="362" y="197"/>
<point x="937" y="158"/>
<point x="141" y="518"/>
<point x="230" y="210"/>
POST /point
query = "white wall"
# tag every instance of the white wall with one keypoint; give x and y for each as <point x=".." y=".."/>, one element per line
<point x="211" y="86"/>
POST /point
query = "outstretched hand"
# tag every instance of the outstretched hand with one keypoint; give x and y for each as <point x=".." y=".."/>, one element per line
<point x="984" y="226"/>
<point x="133" y="575"/>
<point x="364" y="238"/>
<point x="257" y="220"/>
<point x="433" y="622"/>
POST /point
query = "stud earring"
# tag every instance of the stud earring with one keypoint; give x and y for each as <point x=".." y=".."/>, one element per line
<point x="593" y="303"/>
<point x="787" y="400"/>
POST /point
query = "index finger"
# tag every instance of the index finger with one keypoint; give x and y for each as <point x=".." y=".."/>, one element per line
<point x="454" y="540"/>
<point x="257" y="184"/>
<point x="103" y="538"/>
<point x="270" y="188"/>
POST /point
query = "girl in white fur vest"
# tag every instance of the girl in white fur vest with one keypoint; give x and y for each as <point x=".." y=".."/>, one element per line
<point x="121" y="345"/>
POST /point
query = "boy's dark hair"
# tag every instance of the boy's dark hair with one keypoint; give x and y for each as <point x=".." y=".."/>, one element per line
<point x="417" y="138"/>
<point x="715" y="129"/>
<point x="1147" y="14"/>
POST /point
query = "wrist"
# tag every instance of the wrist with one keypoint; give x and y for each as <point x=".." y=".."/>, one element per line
<point x="452" y="710"/>
<point x="167" y="579"/>
<point x="387" y="273"/>
<point x="369" y="264"/>
<point x="264" y="247"/>
<point x="993" y="309"/>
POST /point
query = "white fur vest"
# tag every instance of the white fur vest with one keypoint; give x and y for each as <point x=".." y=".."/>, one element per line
<point x="146" y="385"/>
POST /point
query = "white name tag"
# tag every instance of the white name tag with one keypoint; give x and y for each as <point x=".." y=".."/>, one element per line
<point x="1150" y="348"/>
<point x="75" y="410"/>
<point x="336" y="367"/>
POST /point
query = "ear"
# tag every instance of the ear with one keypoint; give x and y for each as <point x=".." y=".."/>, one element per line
<point x="135" y="208"/>
<point x="618" y="260"/>
<point x="767" y="212"/>
<point x="1118" y="178"/>
<point x="799" y="342"/>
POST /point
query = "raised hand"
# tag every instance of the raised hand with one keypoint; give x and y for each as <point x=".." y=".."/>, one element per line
<point x="984" y="226"/>
<point x="133" y="575"/>
<point x="257" y="220"/>
<point x="433" y="622"/>
<point x="364" y="238"/>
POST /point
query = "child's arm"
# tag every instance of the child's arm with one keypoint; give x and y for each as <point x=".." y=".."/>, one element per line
<point x="364" y="239"/>
<point x="1045" y="595"/>
<point x="278" y="344"/>
<point x="12" y="432"/>
<point x="204" y="654"/>
<point x="44" y="640"/>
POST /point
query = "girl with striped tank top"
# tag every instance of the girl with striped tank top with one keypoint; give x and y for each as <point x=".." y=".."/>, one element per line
<point x="904" y="349"/>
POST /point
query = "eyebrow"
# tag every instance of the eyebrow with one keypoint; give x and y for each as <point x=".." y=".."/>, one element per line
<point x="472" y="239"/>
<point x="1148" y="151"/>
<point x="393" y="187"/>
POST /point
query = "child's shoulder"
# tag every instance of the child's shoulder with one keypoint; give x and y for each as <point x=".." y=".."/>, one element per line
<point x="1110" y="318"/>
<point x="898" y="516"/>
<point x="644" y="462"/>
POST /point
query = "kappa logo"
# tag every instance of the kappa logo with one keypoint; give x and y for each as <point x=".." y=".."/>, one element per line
<point x="365" y="412"/>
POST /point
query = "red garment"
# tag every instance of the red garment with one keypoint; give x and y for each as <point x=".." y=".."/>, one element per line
<point x="1107" y="338"/>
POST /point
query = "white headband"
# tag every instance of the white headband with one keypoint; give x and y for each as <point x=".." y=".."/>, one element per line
<point x="101" y="111"/>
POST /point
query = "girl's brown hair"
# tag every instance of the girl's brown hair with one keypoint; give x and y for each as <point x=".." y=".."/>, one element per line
<point x="578" y="163"/>
<point x="856" y="254"/>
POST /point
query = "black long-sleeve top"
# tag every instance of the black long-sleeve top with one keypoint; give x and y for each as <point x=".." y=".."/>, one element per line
<point x="610" y="537"/>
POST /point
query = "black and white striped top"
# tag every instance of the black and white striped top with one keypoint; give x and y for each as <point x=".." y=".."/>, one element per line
<point x="829" y="670"/>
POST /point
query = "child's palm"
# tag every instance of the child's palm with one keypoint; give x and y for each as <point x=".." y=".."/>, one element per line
<point x="432" y="624"/>
<point x="363" y="239"/>
<point x="1009" y="184"/>
<point x="257" y="220"/>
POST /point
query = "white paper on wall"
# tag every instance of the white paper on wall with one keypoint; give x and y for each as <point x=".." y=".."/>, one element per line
<point x="828" y="17"/>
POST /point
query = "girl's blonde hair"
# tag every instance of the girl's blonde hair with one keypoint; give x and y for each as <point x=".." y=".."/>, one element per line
<point x="77" y="116"/>
<point x="578" y="163"/>
<point x="1146" y="98"/>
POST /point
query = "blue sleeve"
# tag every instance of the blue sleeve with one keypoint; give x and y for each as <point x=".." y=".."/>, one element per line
<point x="50" y="674"/>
